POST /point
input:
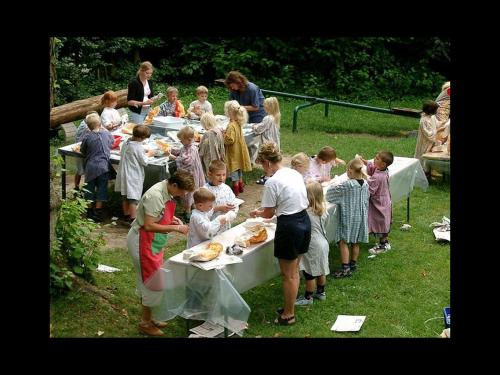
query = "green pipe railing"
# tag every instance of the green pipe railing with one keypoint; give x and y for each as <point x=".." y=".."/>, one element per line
<point x="314" y="100"/>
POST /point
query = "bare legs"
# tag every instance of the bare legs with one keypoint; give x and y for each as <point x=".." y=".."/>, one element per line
<point x="290" y="274"/>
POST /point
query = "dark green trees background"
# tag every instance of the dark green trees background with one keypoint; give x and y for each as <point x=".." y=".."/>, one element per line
<point x="342" y="68"/>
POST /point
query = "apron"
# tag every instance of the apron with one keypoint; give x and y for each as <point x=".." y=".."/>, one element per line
<point x="151" y="248"/>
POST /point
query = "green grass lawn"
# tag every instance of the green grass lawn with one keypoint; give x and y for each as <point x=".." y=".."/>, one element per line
<point x="402" y="292"/>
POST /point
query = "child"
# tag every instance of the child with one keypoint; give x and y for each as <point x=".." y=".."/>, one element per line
<point x="314" y="263"/>
<point x="95" y="148"/>
<point x="429" y="126"/>
<point x="200" y="226"/>
<point x="380" y="207"/>
<point x="130" y="177"/>
<point x="81" y="133"/>
<point x="110" y="117"/>
<point x="224" y="196"/>
<point x="201" y="106"/>
<point x="443" y="102"/>
<point x="269" y="127"/>
<point x="187" y="158"/>
<point x="212" y="143"/>
<point x="321" y="165"/>
<point x="300" y="162"/>
<point x="352" y="198"/>
<point x="237" y="157"/>
<point x="173" y="106"/>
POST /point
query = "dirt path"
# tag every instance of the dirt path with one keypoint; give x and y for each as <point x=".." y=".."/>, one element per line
<point x="115" y="235"/>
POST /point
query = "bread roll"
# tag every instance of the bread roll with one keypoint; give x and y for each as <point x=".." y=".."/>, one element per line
<point x="211" y="252"/>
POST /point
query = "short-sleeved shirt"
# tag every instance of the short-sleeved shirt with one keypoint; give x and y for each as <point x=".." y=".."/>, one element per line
<point x="251" y="96"/>
<point x="286" y="191"/>
<point x="152" y="203"/>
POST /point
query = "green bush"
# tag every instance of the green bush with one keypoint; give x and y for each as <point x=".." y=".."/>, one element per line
<point x="77" y="245"/>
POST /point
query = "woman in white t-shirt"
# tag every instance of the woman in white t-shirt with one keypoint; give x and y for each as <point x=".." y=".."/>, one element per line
<point x="285" y="196"/>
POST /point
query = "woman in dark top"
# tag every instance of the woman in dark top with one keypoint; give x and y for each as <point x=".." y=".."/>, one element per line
<point x="140" y="91"/>
<point x="248" y="94"/>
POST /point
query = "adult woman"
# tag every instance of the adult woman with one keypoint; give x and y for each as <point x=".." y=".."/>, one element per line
<point x="285" y="195"/>
<point x="147" y="237"/>
<point x="247" y="94"/>
<point x="140" y="90"/>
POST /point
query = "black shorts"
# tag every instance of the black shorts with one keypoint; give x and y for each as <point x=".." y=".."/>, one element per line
<point x="292" y="237"/>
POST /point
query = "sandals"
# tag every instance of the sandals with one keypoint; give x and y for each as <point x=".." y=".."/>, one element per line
<point x="285" y="321"/>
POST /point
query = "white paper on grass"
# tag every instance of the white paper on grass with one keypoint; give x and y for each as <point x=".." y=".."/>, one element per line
<point x="207" y="329"/>
<point x="348" y="323"/>
<point x="104" y="268"/>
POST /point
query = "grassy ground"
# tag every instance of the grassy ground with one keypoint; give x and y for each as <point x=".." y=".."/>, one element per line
<point x="402" y="292"/>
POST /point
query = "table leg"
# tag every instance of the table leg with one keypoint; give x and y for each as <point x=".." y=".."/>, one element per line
<point x="63" y="176"/>
<point x="408" y="209"/>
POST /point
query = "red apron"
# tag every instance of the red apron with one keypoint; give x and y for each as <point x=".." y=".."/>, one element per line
<point x="151" y="247"/>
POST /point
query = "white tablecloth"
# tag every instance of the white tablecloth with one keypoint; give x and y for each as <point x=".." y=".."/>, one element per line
<point x="214" y="295"/>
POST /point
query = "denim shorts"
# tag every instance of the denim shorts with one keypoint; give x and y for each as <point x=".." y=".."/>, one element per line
<point x="98" y="188"/>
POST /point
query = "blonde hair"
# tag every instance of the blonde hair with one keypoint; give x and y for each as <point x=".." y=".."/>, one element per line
<point x="356" y="167"/>
<point x="273" y="109"/>
<point x="93" y="121"/>
<point x="300" y="160"/>
<point x="201" y="90"/>
<point x="269" y="151"/>
<point x="172" y="89"/>
<point x="208" y="121"/>
<point x="108" y="98"/>
<point x="203" y="195"/>
<point x="216" y="165"/>
<point x="185" y="133"/>
<point x="445" y="85"/>
<point x="146" y="65"/>
<point x="315" y="197"/>
<point x="236" y="111"/>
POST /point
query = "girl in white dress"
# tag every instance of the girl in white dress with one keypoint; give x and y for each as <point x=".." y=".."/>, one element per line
<point x="314" y="263"/>
<point x="110" y="117"/>
<point x="130" y="176"/>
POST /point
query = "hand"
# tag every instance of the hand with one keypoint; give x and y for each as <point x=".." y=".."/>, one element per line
<point x="148" y="102"/>
<point x="177" y="221"/>
<point x="172" y="157"/>
<point x="184" y="229"/>
<point x="255" y="213"/>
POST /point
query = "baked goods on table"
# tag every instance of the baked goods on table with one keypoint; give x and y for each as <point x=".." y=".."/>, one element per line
<point x="153" y="113"/>
<point x="162" y="145"/>
<point x="76" y="148"/>
<point x="128" y="128"/>
<point x="255" y="234"/>
<point x="212" y="251"/>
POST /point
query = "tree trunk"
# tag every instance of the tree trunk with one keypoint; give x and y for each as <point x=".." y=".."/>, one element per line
<point x="52" y="67"/>
<point x="55" y="199"/>
<point x="78" y="109"/>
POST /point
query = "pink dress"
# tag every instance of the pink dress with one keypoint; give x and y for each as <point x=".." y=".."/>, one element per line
<point x="380" y="206"/>
<point x="189" y="160"/>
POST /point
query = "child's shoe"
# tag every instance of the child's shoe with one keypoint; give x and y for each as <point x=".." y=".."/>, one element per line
<point x="380" y="248"/>
<point x="150" y="329"/>
<point x="343" y="272"/>
<point x="321" y="296"/>
<point x="353" y="266"/>
<point x="241" y="185"/>
<point x="236" y="188"/>
<point x="303" y="301"/>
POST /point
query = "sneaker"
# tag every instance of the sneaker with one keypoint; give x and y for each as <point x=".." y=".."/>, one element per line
<point x="302" y="301"/>
<point x="343" y="272"/>
<point x="150" y="329"/>
<point x="380" y="248"/>
<point x="321" y="296"/>
<point x="353" y="266"/>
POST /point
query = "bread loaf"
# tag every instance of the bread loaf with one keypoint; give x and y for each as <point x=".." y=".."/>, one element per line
<point x="211" y="252"/>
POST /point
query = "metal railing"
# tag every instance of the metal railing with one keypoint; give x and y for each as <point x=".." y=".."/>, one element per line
<point x="407" y="112"/>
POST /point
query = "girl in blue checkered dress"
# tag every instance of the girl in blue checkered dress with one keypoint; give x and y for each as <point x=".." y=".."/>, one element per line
<point x="352" y="198"/>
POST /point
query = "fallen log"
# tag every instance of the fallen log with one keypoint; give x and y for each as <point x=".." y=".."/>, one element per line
<point x="78" y="109"/>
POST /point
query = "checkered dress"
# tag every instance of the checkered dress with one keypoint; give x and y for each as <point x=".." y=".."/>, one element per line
<point x="352" y="200"/>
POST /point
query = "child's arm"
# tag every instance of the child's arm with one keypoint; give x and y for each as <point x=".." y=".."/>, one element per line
<point x="370" y="168"/>
<point x="340" y="161"/>
<point x="229" y="135"/>
<point x="335" y="193"/>
<point x="263" y="126"/>
<point x="373" y="184"/>
<point x="210" y="228"/>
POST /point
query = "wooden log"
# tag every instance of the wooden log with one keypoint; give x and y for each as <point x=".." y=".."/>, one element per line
<point x="78" y="109"/>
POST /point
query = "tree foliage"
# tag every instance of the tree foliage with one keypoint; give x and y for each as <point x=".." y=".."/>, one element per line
<point x="340" y="67"/>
